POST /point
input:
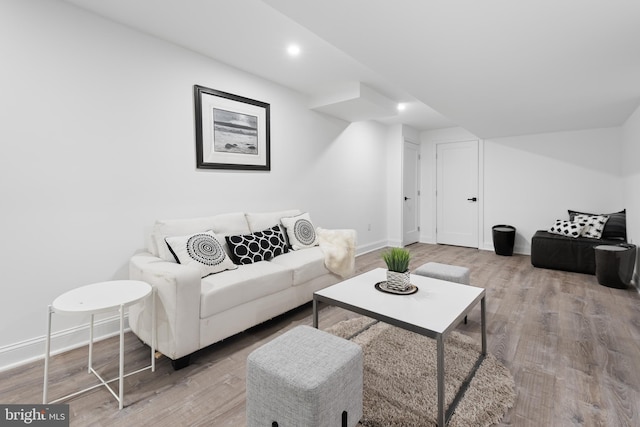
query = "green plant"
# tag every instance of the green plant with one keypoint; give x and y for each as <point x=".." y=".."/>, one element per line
<point x="397" y="259"/>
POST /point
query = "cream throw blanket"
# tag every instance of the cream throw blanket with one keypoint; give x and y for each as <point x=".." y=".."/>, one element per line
<point x="339" y="248"/>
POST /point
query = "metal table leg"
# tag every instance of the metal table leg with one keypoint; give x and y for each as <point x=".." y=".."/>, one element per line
<point x="440" y="366"/>
<point x="315" y="312"/>
<point x="484" y="326"/>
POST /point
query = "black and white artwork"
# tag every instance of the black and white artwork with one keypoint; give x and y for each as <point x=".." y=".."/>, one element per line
<point x="232" y="132"/>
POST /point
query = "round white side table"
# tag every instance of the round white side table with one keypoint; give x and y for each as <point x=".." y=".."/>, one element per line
<point x="95" y="299"/>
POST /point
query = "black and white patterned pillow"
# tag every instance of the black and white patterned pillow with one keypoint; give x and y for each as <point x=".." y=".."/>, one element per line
<point x="258" y="246"/>
<point x="593" y="225"/>
<point x="566" y="228"/>
<point x="203" y="250"/>
<point x="300" y="231"/>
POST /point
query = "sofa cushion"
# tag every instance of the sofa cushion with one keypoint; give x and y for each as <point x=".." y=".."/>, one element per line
<point x="221" y="225"/>
<point x="202" y="250"/>
<point x="300" y="231"/>
<point x="306" y="265"/>
<point x="264" y="220"/>
<point x="616" y="226"/>
<point x="222" y="291"/>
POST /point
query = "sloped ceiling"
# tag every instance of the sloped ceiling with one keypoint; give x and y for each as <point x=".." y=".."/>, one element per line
<point x="495" y="67"/>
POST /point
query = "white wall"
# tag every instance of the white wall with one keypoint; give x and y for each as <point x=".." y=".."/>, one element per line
<point x="529" y="181"/>
<point x="532" y="180"/>
<point x="98" y="142"/>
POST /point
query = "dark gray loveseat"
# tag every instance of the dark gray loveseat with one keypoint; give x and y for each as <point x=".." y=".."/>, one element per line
<point x="559" y="252"/>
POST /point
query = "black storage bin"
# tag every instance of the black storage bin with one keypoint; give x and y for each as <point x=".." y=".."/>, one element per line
<point x="504" y="237"/>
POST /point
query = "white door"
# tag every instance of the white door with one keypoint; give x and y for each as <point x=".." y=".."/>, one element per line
<point x="457" y="193"/>
<point x="411" y="194"/>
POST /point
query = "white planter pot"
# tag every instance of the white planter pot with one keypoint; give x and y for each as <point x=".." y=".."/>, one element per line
<point x="398" y="281"/>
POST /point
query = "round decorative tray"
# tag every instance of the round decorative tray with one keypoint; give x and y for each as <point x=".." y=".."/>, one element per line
<point x="382" y="287"/>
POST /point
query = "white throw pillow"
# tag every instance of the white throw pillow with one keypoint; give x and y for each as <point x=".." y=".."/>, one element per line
<point x="300" y="231"/>
<point x="203" y="250"/>
<point x="566" y="228"/>
<point x="593" y="225"/>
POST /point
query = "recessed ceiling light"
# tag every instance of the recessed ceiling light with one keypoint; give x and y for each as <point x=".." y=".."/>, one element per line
<point x="401" y="107"/>
<point x="293" y="50"/>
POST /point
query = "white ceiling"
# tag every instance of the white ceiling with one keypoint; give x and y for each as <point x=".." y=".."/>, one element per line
<point x="495" y="67"/>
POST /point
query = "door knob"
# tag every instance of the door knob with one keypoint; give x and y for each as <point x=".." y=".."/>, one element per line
<point x="407" y="198"/>
<point x="473" y="199"/>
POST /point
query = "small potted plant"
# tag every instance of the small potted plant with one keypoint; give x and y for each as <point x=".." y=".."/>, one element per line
<point x="397" y="260"/>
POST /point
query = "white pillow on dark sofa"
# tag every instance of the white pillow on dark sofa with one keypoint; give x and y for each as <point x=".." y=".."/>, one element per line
<point x="566" y="228"/>
<point x="593" y="225"/>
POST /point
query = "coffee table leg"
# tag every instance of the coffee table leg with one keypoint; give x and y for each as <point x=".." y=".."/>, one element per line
<point x="315" y="312"/>
<point x="484" y="326"/>
<point x="440" y="374"/>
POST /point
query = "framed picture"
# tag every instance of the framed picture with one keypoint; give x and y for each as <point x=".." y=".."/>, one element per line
<point x="232" y="132"/>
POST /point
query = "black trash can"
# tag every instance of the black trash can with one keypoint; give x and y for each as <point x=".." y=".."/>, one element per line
<point x="503" y="238"/>
<point x="615" y="264"/>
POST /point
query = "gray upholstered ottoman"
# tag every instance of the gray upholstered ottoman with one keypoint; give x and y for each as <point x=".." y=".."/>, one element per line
<point x="305" y="377"/>
<point x="450" y="273"/>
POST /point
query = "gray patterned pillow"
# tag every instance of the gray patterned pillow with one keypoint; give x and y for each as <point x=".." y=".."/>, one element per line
<point x="566" y="228"/>
<point x="202" y="250"/>
<point x="300" y="231"/>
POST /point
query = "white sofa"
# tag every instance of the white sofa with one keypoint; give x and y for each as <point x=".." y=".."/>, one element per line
<point x="193" y="312"/>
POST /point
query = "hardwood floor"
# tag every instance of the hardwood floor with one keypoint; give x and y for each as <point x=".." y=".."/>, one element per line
<point x="572" y="345"/>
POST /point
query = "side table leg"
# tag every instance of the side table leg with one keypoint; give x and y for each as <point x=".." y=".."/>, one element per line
<point x="153" y="330"/>
<point x="440" y="376"/>
<point x="47" y="351"/>
<point x="120" y="380"/>
<point x="90" y="345"/>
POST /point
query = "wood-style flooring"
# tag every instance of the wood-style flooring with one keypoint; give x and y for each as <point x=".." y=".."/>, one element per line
<point x="572" y="345"/>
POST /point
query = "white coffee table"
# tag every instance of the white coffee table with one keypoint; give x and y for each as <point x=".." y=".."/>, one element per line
<point x="434" y="311"/>
<point x="95" y="299"/>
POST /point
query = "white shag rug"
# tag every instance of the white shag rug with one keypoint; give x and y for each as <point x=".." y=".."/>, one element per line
<point x="400" y="377"/>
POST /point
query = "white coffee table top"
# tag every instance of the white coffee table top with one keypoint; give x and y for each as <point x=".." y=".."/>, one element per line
<point x="435" y="306"/>
<point x="103" y="296"/>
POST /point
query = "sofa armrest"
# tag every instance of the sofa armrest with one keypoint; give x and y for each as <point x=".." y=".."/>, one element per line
<point x="177" y="305"/>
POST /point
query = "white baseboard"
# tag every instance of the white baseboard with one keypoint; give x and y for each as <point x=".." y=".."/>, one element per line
<point x="361" y="250"/>
<point x="21" y="353"/>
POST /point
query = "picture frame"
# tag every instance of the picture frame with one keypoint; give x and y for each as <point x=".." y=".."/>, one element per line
<point x="232" y="132"/>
